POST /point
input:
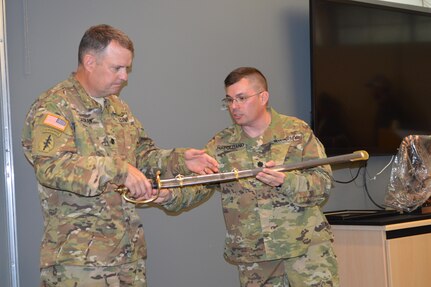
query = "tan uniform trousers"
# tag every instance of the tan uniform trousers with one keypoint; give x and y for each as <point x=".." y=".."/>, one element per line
<point x="131" y="274"/>
<point x="318" y="267"/>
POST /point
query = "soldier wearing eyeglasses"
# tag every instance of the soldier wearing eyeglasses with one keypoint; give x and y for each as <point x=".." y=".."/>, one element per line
<point x="277" y="234"/>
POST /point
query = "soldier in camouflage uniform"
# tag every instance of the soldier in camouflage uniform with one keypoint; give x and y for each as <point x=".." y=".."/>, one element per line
<point x="84" y="142"/>
<point x="277" y="234"/>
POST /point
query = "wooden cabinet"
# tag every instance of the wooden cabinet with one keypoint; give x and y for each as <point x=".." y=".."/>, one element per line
<point x="395" y="255"/>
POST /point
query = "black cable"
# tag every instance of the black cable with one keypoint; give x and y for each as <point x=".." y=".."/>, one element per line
<point x="351" y="180"/>
<point x="366" y="188"/>
<point x="365" y="184"/>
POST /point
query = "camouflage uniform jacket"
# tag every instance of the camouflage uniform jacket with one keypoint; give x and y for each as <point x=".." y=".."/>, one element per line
<point x="263" y="222"/>
<point x="80" y="150"/>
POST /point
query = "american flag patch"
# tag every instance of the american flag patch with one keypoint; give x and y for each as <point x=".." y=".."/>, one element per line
<point x="55" y="121"/>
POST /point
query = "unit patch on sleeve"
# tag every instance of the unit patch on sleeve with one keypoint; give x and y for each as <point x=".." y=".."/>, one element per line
<point x="47" y="139"/>
<point x="47" y="143"/>
<point x="55" y="121"/>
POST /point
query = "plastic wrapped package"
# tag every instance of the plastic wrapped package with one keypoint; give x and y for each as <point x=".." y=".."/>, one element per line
<point x="410" y="181"/>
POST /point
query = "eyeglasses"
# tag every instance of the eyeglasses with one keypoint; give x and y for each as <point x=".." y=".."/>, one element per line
<point x="228" y="101"/>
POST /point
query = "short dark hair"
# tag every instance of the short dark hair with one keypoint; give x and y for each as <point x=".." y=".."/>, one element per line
<point x="98" y="37"/>
<point x="246" y="72"/>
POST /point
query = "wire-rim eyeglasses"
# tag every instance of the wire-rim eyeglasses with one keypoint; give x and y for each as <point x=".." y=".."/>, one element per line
<point x="228" y="101"/>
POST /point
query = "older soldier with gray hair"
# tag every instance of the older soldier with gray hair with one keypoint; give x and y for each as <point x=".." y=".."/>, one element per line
<point x="84" y="142"/>
<point x="277" y="234"/>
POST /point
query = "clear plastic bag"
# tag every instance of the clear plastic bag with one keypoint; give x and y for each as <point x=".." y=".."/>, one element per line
<point x="410" y="185"/>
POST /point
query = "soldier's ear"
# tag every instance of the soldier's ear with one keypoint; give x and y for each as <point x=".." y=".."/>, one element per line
<point x="264" y="96"/>
<point x="89" y="61"/>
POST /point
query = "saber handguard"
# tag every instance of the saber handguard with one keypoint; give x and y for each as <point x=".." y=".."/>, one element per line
<point x="123" y="190"/>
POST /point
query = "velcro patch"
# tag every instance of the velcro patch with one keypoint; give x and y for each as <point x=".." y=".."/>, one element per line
<point x="55" y="121"/>
<point x="46" y="144"/>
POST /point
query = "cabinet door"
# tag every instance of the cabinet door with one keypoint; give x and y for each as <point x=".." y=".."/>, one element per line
<point x="409" y="261"/>
<point x="361" y="257"/>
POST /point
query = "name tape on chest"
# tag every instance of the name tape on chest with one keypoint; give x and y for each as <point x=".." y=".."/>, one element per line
<point x="291" y="138"/>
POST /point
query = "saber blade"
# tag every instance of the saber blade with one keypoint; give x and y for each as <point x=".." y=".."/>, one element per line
<point x="181" y="181"/>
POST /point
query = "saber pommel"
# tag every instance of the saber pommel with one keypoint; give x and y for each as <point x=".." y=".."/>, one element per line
<point x="363" y="155"/>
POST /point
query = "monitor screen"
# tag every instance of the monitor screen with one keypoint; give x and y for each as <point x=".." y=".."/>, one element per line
<point x="370" y="74"/>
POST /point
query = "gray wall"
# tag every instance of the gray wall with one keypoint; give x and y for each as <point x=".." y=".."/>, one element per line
<point x="184" y="49"/>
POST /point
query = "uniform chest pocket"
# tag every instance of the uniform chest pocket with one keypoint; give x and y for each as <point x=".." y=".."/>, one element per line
<point x="233" y="157"/>
<point x="89" y="132"/>
<point x="285" y="152"/>
<point x="123" y="134"/>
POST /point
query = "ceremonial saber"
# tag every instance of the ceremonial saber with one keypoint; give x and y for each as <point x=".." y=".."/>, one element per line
<point x="181" y="181"/>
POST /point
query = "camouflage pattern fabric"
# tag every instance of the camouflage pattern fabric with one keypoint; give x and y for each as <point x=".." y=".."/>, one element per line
<point x="266" y="223"/>
<point x="130" y="274"/>
<point x="80" y="150"/>
<point x="317" y="268"/>
<point x="263" y="222"/>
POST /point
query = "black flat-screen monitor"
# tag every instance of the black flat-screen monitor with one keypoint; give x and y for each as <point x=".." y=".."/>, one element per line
<point x="370" y="74"/>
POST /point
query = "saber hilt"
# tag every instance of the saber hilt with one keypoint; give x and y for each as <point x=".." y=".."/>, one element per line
<point x="182" y="181"/>
<point x="155" y="185"/>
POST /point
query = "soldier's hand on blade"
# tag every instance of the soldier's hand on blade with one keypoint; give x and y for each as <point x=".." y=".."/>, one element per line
<point x="269" y="176"/>
<point x="199" y="162"/>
